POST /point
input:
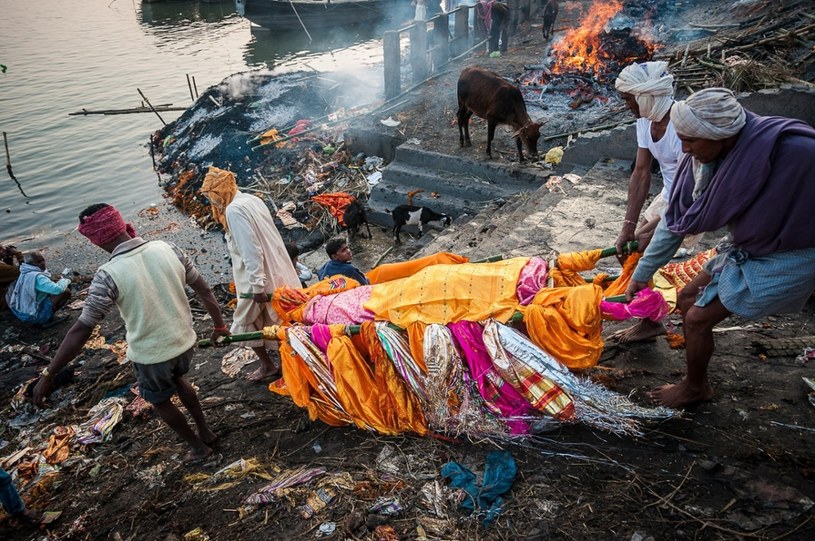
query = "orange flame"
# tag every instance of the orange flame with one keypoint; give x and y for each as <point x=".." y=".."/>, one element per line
<point x="578" y="50"/>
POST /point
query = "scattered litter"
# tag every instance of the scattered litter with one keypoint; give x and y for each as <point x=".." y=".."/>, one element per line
<point x="326" y="529"/>
<point x="553" y="155"/>
<point x="285" y="479"/>
<point x="235" y="360"/>
<point x="153" y="476"/>
<point x="390" y="122"/>
<point x="414" y="141"/>
<point x="149" y="212"/>
<point x="571" y="177"/>
<point x="374" y="178"/>
<point x="104" y="417"/>
<point x="316" y="502"/>
<point x="385" y="532"/>
<point x="554" y="184"/>
<point x="387" y="506"/>
<point x="499" y="474"/>
<point x="198" y="534"/>
<point x="50" y="516"/>
<point x="807" y="355"/>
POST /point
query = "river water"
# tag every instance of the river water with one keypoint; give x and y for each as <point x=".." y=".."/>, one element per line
<point x="62" y="56"/>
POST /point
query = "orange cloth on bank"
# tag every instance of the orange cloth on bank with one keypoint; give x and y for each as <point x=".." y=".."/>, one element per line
<point x="618" y="286"/>
<point x="445" y="293"/>
<point x="566" y="322"/>
<point x="336" y="203"/>
<point x="565" y="272"/>
<point x="301" y="385"/>
<point x="402" y="408"/>
<point x="366" y="394"/>
<point x="394" y="271"/>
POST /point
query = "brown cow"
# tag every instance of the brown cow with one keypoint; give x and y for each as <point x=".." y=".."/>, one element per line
<point x="497" y="101"/>
<point x="549" y="14"/>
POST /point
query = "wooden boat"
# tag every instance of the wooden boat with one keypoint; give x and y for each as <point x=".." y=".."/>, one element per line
<point x="321" y="14"/>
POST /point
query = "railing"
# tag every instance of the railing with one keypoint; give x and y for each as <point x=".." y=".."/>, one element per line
<point x="431" y="45"/>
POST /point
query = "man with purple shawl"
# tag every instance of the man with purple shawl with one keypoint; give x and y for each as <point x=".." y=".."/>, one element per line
<point x="755" y="176"/>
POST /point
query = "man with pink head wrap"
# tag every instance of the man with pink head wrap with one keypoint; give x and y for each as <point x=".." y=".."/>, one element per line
<point x="146" y="282"/>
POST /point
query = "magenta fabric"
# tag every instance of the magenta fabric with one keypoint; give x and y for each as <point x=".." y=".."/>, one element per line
<point x="502" y="398"/>
<point x="646" y="304"/>
<point x="533" y="277"/>
<point x="762" y="191"/>
<point x="104" y="225"/>
<point x="345" y="308"/>
<point x="321" y="336"/>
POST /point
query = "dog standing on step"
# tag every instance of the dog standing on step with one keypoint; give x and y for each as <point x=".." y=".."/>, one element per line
<point x="419" y="216"/>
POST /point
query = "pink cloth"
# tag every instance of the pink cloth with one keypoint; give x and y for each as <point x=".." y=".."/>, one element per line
<point x="104" y="225"/>
<point x="533" y="279"/>
<point x="321" y="336"/>
<point x="345" y="308"/>
<point x="502" y="398"/>
<point x="646" y="304"/>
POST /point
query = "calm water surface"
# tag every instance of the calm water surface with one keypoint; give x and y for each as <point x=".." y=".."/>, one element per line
<point x="66" y="55"/>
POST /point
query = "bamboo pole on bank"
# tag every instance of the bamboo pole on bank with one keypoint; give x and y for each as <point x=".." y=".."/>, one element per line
<point x="151" y="107"/>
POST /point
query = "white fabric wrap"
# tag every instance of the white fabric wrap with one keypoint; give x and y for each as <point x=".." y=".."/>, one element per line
<point x="651" y="85"/>
<point x="712" y="113"/>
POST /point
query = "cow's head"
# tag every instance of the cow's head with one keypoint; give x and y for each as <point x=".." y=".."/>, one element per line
<point x="530" y="134"/>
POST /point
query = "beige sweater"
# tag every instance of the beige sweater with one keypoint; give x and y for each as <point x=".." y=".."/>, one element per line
<point x="153" y="303"/>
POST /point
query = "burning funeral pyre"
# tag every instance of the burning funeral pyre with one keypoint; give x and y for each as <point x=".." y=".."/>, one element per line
<point x="586" y="60"/>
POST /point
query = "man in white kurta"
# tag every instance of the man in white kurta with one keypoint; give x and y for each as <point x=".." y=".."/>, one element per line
<point x="260" y="262"/>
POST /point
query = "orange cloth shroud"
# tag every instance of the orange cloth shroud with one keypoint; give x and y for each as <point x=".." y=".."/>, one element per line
<point x="403" y="269"/>
<point x="446" y="293"/>
<point x="566" y="322"/>
<point x="301" y="383"/>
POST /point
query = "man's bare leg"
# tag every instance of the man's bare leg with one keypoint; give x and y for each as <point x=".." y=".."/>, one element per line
<point x="698" y="322"/>
<point x="644" y="329"/>
<point x="267" y="367"/>
<point x="176" y="420"/>
<point x="189" y="398"/>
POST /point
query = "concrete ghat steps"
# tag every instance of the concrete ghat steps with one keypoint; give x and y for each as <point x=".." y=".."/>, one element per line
<point x="454" y="185"/>
<point x="580" y="216"/>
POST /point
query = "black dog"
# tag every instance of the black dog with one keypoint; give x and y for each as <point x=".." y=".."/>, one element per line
<point x="354" y="216"/>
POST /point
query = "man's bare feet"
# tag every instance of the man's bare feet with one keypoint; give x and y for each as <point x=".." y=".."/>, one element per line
<point x="30" y="517"/>
<point x="644" y="329"/>
<point x="197" y="453"/>
<point x="681" y="394"/>
<point x="208" y="437"/>
<point x="263" y="372"/>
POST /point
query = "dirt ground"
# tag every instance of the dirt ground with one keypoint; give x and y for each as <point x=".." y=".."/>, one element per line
<point x="741" y="466"/>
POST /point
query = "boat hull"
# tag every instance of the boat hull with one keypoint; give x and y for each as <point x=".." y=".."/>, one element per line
<point x="315" y="15"/>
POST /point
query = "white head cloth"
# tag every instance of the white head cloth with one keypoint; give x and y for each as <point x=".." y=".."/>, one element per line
<point x="712" y="113"/>
<point x="651" y="85"/>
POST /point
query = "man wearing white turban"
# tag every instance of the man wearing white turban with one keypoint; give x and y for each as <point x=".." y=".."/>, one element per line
<point x="752" y="175"/>
<point x="647" y="89"/>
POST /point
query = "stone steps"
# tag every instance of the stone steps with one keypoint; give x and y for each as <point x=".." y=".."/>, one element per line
<point x="572" y="217"/>
<point x="453" y="185"/>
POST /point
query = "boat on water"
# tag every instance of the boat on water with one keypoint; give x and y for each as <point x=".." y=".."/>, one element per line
<point x="294" y="15"/>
